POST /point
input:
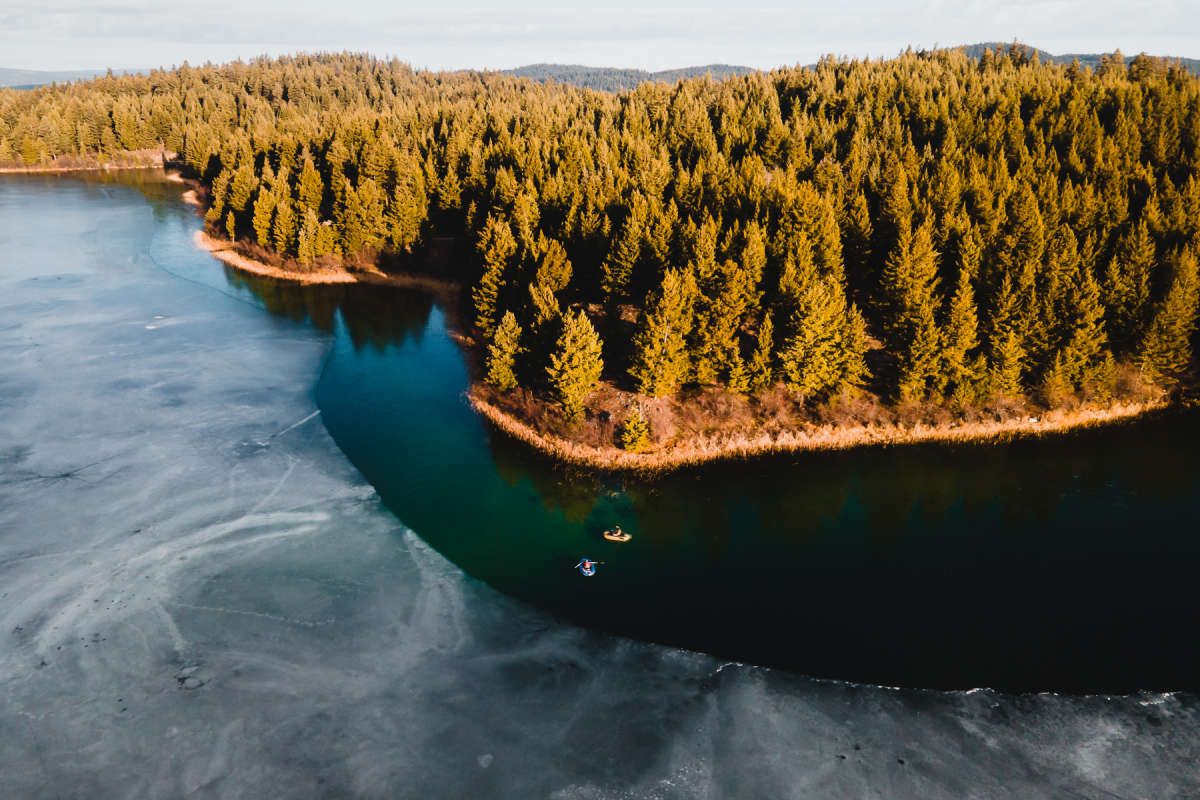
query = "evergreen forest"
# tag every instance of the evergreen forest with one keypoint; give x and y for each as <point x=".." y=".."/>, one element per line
<point x="931" y="229"/>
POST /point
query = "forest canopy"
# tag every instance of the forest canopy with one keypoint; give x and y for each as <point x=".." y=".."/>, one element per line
<point x="931" y="228"/>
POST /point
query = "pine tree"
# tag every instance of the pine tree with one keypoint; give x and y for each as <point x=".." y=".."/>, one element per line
<point x="503" y="353"/>
<point x="357" y="213"/>
<point x="1165" y="351"/>
<point x="218" y="194"/>
<point x="496" y="247"/>
<point x="543" y="304"/>
<point x="1085" y="337"/>
<point x="576" y="365"/>
<point x="818" y="356"/>
<point x="1056" y="382"/>
<point x="635" y="433"/>
<point x="660" y="360"/>
<point x="718" y="316"/>
<point x="855" y="343"/>
<point x="264" y="211"/>
<point x="919" y="375"/>
<point x="897" y="210"/>
<point x="409" y="207"/>
<point x="827" y="239"/>
<point x="959" y="368"/>
<point x="1024" y="240"/>
<point x="306" y="247"/>
<point x="858" y="252"/>
<point x="552" y="275"/>
<point x="798" y="272"/>
<point x="325" y="242"/>
<point x="525" y="215"/>
<point x="241" y="188"/>
<point x="1128" y="286"/>
<point x="622" y="259"/>
<point x="1006" y="360"/>
<point x="699" y="245"/>
<point x="754" y="258"/>
<point x="310" y="188"/>
<point x="553" y="267"/>
<point x="910" y="296"/>
<point x="737" y="377"/>
<point x="283" y="230"/>
<point x="762" y="367"/>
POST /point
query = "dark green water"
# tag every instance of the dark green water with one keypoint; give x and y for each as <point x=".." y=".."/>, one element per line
<point x="1067" y="563"/>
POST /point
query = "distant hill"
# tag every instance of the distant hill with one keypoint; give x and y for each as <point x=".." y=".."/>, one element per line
<point x="612" y="79"/>
<point x="33" y="78"/>
<point x="608" y="79"/>
<point x="1091" y="60"/>
<point x="25" y="78"/>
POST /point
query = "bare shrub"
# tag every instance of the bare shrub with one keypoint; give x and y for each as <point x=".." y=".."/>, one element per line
<point x="909" y="415"/>
<point x="850" y="409"/>
<point x="712" y="410"/>
<point x="1129" y="385"/>
<point x="777" y="407"/>
<point x="661" y="421"/>
<point x="1000" y="409"/>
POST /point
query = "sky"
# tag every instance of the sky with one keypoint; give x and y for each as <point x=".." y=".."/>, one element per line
<point x="452" y="34"/>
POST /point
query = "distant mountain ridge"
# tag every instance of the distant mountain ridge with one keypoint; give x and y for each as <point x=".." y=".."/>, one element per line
<point x="22" y="78"/>
<point x="608" y="79"/>
<point x="33" y="78"/>
<point x="1091" y="60"/>
<point x="612" y="79"/>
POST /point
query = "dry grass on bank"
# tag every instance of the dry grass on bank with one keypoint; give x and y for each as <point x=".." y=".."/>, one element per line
<point x="128" y="159"/>
<point x="711" y="423"/>
<point x="731" y="444"/>
<point x="321" y="271"/>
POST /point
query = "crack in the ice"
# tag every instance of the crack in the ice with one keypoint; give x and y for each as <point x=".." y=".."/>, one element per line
<point x="262" y="614"/>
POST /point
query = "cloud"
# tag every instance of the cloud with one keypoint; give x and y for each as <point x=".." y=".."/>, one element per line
<point x="456" y="33"/>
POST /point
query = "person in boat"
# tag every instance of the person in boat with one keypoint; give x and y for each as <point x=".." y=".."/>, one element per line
<point x="617" y="535"/>
<point x="586" y="566"/>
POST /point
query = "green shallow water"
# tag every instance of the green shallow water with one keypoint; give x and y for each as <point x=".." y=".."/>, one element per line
<point x="1065" y="563"/>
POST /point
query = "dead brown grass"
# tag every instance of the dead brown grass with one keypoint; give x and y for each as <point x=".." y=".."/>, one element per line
<point x="731" y="445"/>
<point x="322" y="271"/>
<point x="129" y="159"/>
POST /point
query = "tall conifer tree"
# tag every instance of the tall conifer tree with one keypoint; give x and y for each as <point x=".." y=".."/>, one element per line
<point x="576" y="365"/>
<point x="503" y="352"/>
<point x="496" y="247"/>
<point x="1165" y="351"/>
<point x="660" y="357"/>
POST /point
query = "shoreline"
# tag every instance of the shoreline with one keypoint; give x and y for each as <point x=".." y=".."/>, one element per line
<point x="63" y="170"/>
<point x="733" y="447"/>
<point x="696" y="450"/>
<point x="227" y="252"/>
<point x="157" y="158"/>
